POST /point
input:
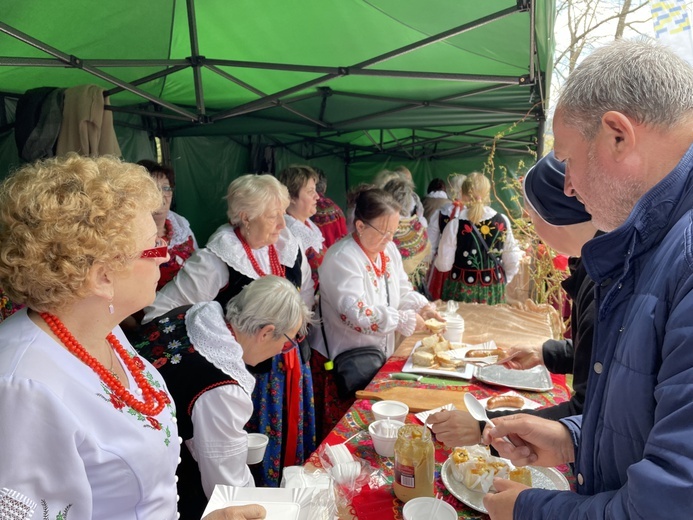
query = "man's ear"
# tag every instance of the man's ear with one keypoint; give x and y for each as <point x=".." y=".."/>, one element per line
<point x="619" y="134"/>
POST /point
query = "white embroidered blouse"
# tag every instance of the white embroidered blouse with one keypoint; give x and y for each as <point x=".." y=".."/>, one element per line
<point x="355" y="308"/>
<point x="206" y="272"/>
<point x="64" y="444"/>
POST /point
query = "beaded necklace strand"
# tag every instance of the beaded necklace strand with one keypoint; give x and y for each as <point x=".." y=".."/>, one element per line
<point x="383" y="258"/>
<point x="276" y="267"/>
<point x="154" y="400"/>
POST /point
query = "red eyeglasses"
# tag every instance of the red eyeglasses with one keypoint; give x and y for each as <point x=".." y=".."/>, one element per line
<point x="159" y="251"/>
<point x="292" y="343"/>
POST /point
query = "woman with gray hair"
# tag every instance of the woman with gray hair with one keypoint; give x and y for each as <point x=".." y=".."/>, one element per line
<point x="202" y="358"/>
<point x="256" y="243"/>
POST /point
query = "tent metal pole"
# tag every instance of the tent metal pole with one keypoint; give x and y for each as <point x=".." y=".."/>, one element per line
<point x="195" y="58"/>
<point x="146" y="113"/>
<point x="261" y="94"/>
<point x="75" y="62"/>
<point x="437" y="37"/>
<point x="147" y="79"/>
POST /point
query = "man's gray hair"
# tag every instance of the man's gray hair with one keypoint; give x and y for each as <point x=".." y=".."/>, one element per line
<point x="643" y="80"/>
<point x="269" y="300"/>
<point x="402" y="190"/>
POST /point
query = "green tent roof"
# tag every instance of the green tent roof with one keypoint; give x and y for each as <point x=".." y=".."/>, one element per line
<point x="402" y="77"/>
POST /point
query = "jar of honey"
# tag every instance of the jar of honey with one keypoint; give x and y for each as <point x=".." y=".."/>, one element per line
<point x="414" y="463"/>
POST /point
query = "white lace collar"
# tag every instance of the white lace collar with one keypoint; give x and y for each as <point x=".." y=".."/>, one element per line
<point x="437" y="195"/>
<point x="225" y="244"/>
<point x="180" y="229"/>
<point x="309" y="235"/>
<point x="211" y="337"/>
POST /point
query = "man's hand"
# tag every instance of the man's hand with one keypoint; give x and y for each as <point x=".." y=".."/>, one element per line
<point x="455" y="428"/>
<point x="522" y="357"/>
<point x="247" y="512"/>
<point x="538" y="441"/>
<point x="500" y="505"/>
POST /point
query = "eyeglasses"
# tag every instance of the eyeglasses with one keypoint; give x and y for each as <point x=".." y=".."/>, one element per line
<point x="166" y="189"/>
<point x="159" y="251"/>
<point x="292" y="343"/>
<point x="386" y="234"/>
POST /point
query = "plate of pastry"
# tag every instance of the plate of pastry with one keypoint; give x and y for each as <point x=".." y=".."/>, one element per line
<point x="469" y="471"/>
<point x="436" y="356"/>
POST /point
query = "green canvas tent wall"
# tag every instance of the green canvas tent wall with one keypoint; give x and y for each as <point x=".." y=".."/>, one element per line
<point x="351" y="86"/>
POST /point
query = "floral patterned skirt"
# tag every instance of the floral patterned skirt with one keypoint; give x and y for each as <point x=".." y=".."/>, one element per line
<point x="459" y="291"/>
<point x="270" y="411"/>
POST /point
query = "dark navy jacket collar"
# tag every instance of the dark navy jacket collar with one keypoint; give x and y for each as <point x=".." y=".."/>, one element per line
<point x="606" y="256"/>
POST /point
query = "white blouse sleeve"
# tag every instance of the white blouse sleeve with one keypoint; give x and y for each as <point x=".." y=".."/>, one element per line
<point x="219" y="443"/>
<point x="344" y="282"/>
<point x="434" y="231"/>
<point x="200" y="279"/>
<point x="33" y="467"/>
<point x="409" y="299"/>
<point x="447" y="246"/>
<point x="512" y="254"/>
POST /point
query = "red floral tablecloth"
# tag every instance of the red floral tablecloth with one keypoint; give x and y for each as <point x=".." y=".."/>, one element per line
<point x="381" y="504"/>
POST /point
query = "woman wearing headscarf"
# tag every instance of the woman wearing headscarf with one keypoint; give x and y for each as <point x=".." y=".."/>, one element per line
<point x="253" y="244"/>
<point x="411" y="238"/>
<point x="477" y="248"/>
<point x="88" y="427"/>
<point x="202" y="357"/>
<point x="365" y="294"/>
<point x="301" y="180"/>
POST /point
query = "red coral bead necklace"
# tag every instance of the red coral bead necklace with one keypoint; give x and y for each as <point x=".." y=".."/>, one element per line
<point x="277" y="268"/>
<point x="154" y="400"/>
<point x="383" y="258"/>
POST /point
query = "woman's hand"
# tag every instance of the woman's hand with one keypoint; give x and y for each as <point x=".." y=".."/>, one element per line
<point x="538" y="441"/>
<point x="420" y="324"/>
<point x="247" y="512"/>
<point x="429" y="311"/>
<point x="500" y="505"/>
<point x="455" y="428"/>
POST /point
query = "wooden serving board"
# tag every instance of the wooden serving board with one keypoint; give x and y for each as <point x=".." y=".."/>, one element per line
<point x="417" y="399"/>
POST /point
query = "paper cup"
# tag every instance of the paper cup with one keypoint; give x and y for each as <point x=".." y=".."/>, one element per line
<point x="454" y="330"/>
<point x="384" y="445"/>
<point x="424" y="508"/>
<point x="394" y="410"/>
<point x="257" y="443"/>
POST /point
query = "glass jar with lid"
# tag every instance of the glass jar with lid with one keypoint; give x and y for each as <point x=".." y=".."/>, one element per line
<point x="414" y="463"/>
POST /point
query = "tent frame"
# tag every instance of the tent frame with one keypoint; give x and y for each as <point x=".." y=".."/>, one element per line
<point x="412" y="147"/>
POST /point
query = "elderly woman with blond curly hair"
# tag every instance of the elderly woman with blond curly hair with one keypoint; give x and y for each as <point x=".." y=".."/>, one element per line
<point x="253" y="244"/>
<point x="88" y="426"/>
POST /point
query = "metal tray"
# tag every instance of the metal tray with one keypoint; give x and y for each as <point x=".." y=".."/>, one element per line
<point x="535" y="379"/>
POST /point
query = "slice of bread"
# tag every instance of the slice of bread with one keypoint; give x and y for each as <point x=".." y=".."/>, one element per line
<point x="434" y="325"/>
<point x="422" y="358"/>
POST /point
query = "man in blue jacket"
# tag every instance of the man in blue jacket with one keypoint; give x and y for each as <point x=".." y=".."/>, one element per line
<point x="624" y="128"/>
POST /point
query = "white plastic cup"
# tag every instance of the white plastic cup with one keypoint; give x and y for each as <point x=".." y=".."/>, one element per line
<point x="423" y="508"/>
<point x="393" y="410"/>
<point x="257" y="444"/>
<point x="384" y="446"/>
<point x="454" y="329"/>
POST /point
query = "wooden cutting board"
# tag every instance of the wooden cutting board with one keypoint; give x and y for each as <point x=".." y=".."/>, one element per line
<point x="417" y="399"/>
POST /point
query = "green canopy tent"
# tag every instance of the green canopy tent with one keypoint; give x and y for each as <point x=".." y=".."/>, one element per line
<point x="351" y="86"/>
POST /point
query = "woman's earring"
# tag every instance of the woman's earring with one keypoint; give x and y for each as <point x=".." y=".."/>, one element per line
<point x="111" y="310"/>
